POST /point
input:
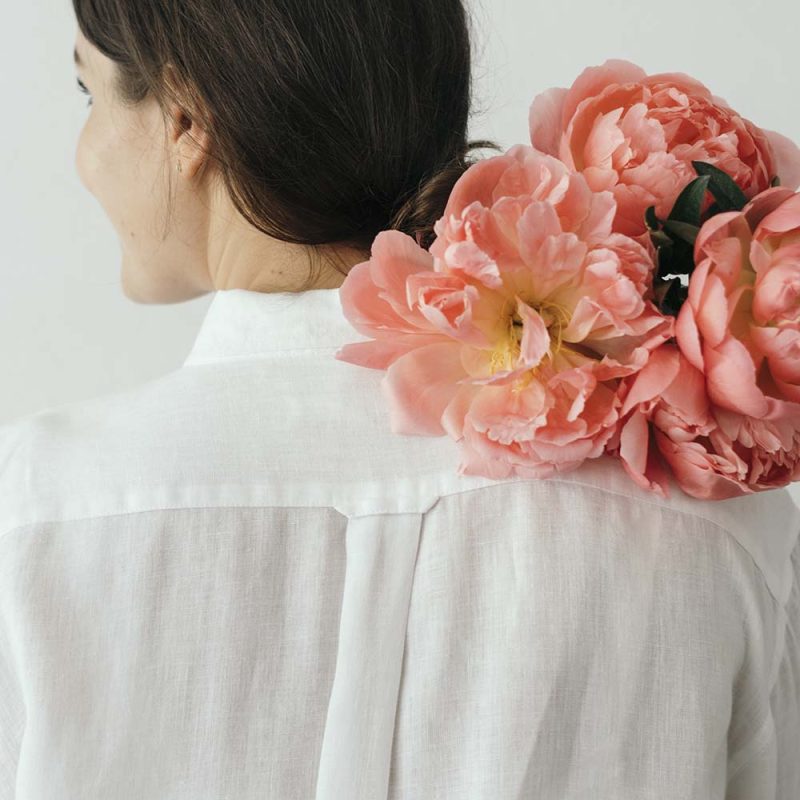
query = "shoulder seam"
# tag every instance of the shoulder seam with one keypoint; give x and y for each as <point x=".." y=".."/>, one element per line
<point x="14" y="524"/>
<point x="601" y="489"/>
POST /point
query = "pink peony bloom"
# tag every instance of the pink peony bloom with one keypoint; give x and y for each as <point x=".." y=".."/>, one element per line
<point x="636" y="135"/>
<point x="713" y="453"/>
<point x="740" y="324"/>
<point x="512" y="332"/>
<point x="723" y="405"/>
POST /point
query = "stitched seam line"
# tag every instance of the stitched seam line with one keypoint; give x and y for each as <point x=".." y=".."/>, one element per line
<point x="554" y="479"/>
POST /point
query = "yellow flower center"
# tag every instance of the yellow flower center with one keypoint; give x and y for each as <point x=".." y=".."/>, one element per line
<point x="555" y="317"/>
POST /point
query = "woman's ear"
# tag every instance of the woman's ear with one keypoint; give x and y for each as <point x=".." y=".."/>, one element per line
<point x="191" y="142"/>
<point x="187" y="127"/>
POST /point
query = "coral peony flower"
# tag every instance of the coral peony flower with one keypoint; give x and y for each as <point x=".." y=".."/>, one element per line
<point x="740" y="324"/>
<point x="512" y="332"/>
<point x="636" y="135"/>
<point x="713" y="453"/>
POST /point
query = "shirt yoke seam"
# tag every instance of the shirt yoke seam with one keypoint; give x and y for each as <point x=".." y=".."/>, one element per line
<point x="439" y="497"/>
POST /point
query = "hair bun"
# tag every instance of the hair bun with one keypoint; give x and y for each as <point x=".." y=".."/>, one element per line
<point x="420" y="211"/>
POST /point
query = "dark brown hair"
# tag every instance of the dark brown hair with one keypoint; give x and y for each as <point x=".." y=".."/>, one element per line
<point x="330" y="120"/>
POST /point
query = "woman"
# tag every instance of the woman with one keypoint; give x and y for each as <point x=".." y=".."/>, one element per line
<point x="235" y="582"/>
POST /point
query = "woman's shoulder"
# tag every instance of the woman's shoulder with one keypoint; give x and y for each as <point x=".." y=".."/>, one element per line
<point x="172" y="428"/>
<point x="53" y="457"/>
<point x="599" y="496"/>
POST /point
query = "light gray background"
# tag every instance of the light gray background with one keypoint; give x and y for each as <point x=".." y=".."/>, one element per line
<point x="66" y="329"/>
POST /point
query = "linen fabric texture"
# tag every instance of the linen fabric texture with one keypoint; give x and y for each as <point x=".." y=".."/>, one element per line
<point x="235" y="581"/>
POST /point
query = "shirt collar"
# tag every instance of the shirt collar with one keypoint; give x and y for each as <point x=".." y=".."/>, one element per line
<point x="245" y="323"/>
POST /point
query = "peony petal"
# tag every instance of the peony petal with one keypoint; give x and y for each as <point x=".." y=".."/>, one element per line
<point x="535" y="343"/>
<point x="603" y="140"/>
<point x="545" y="120"/>
<point x="694" y="473"/>
<point x="477" y="184"/>
<point x="446" y="302"/>
<point x="395" y="256"/>
<point x="633" y="441"/>
<point x="777" y="292"/>
<point x="419" y="386"/>
<point x="467" y="259"/>
<point x="763" y="204"/>
<point x="714" y="228"/>
<point x="712" y="312"/>
<point x="731" y="378"/>
<point x="481" y="456"/>
<point x="782" y="218"/>
<point x="781" y="347"/>
<point x="380" y="353"/>
<point x="594" y="79"/>
<point x="508" y="416"/>
<point x="654" y="377"/>
<point x="688" y="337"/>
<point x="787" y="159"/>
<point x="364" y="307"/>
<point x="681" y="81"/>
<point x="687" y="395"/>
<point x="457" y="409"/>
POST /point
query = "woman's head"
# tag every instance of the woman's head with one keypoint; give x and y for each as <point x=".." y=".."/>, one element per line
<point x="301" y="128"/>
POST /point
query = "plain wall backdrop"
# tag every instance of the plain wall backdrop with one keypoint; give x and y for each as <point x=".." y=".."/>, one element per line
<point x="67" y="330"/>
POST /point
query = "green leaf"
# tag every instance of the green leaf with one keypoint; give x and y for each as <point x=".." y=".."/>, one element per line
<point x="669" y="296"/>
<point x="682" y="230"/>
<point x="677" y="258"/>
<point x="653" y="222"/>
<point x="724" y="188"/>
<point x="690" y="201"/>
<point x="659" y="290"/>
<point x="776" y="181"/>
<point x="666" y="261"/>
<point x="674" y="298"/>
<point x="660" y="239"/>
<point x="683" y="259"/>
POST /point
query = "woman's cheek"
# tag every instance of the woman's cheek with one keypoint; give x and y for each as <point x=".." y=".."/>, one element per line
<point x="86" y="160"/>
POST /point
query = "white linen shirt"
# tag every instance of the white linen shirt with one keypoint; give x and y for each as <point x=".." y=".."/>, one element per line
<point x="234" y="581"/>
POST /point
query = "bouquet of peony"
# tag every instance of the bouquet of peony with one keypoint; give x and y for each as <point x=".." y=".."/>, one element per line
<point x="626" y="285"/>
